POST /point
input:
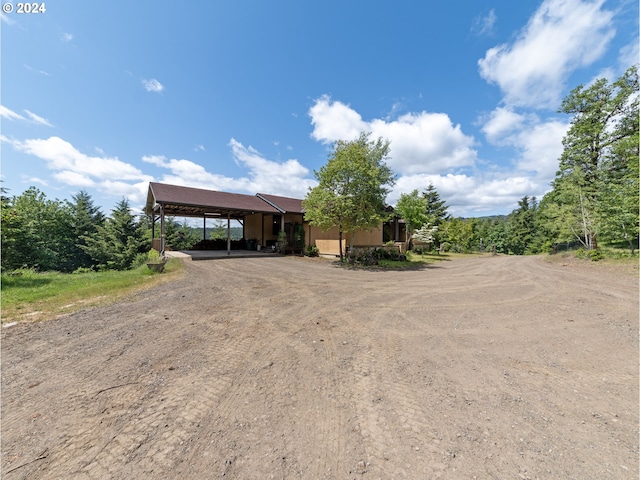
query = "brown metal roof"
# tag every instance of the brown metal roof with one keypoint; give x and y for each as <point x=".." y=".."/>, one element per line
<point x="187" y="201"/>
<point x="284" y="204"/>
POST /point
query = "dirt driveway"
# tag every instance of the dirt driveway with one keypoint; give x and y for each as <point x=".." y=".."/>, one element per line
<point x="291" y="368"/>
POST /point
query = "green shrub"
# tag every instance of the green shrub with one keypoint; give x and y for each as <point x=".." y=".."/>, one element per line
<point x="311" y="251"/>
<point x="445" y="246"/>
<point x="153" y="255"/>
<point x="593" y="255"/>
<point x="581" y="253"/>
<point x="140" y="259"/>
<point x="596" y="255"/>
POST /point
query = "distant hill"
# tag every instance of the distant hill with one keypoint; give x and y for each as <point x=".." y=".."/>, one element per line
<point x="236" y="232"/>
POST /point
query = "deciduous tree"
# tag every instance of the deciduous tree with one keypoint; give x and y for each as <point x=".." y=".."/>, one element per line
<point x="412" y="208"/>
<point x="33" y="231"/>
<point x="352" y="187"/>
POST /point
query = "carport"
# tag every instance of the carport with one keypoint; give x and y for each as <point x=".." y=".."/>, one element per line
<point x="173" y="200"/>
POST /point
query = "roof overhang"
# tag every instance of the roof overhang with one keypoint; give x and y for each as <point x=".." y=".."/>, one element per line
<point x="181" y="201"/>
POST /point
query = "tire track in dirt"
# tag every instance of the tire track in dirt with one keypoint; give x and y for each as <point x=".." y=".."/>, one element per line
<point x="290" y="368"/>
<point x="97" y="457"/>
<point x="277" y="330"/>
<point x="393" y="420"/>
<point x="167" y="407"/>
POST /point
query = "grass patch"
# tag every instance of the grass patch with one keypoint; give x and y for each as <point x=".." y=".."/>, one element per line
<point x="29" y="295"/>
<point x="615" y="258"/>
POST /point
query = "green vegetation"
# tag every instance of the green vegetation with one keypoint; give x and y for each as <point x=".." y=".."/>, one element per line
<point x="594" y="202"/>
<point x="412" y="208"/>
<point x="595" y="192"/>
<point x="27" y="294"/>
<point x="352" y="188"/>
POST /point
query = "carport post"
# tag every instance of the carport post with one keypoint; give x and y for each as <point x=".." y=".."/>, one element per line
<point x="228" y="234"/>
<point x="161" y="230"/>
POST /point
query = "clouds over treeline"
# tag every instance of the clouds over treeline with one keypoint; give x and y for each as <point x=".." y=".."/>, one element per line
<point x="531" y="73"/>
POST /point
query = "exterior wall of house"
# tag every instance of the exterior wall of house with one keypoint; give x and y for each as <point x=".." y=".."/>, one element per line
<point x="327" y="242"/>
<point x="269" y="222"/>
<point x="253" y="227"/>
<point x="260" y="227"/>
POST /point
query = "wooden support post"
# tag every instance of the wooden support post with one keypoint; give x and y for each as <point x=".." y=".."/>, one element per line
<point x="161" y="231"/>
<point x="228" y="234"/>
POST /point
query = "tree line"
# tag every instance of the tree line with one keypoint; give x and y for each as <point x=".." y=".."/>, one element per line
<point x="594" y="196"/>
<point x="67" y="236"/>
<point x="594" y="199"/>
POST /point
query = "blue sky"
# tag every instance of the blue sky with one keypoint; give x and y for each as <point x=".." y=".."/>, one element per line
<point x="248" y="96"/>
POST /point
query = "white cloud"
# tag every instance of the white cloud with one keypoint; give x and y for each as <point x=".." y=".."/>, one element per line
<point x="118" y="178"/>
<point x="420" y="142"/>
<point x="10" y="114"/>
<point x="428" y="148"/>
<point x="31" y="117"/>
<point x="468" y="195"/>
<point x="334" y="121"/>
<point x="188" y="173"/>
<point x="561" y="36"/>
<point x="288" y="178"/>
<point x="152" y="85"/>
<point x="541" y="147"/>
<point x="538" y="143"/>
<point x="60" y="155"/>
<point x="38" y="119"/>
<point x="76" y="179"/>
<point x="136" y="193"/>
<point x="5" y="19"/>
<point x="501" y="123"/>
<point x="34" y="180"/>
<point x="66" y="37"/>
<point x="484" y="25"/>
<point x="630" y="54"/>
<point x="41" y="72"/>
<point x="72" y="167"/>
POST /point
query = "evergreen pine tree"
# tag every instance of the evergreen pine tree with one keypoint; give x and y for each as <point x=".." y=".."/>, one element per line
<point x="436" y="208"/>
<point x="116" y="244"/>
<point x="84" y="219"/>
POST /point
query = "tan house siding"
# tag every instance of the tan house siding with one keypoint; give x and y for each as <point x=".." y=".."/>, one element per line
<point x="327" y="242"/>
<point x="253" y="226"/>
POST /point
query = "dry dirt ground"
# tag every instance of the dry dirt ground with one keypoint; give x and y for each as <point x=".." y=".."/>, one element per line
<point x="291" y="368"/>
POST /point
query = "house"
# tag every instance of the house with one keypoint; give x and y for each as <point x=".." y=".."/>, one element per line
<point x="262" y="216"/>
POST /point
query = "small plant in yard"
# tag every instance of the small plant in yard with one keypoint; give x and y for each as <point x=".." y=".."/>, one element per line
<point x="312" y="251"/>
<point x="154" y="256"/>
<point x="282" y="241"/>
<point x="155" y="261"/>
